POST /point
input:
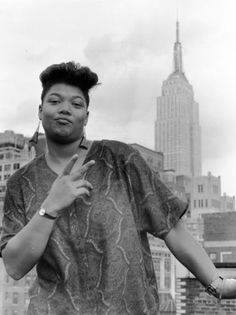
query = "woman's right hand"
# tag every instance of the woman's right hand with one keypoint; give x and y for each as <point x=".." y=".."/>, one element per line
<point x="67" y="187"/>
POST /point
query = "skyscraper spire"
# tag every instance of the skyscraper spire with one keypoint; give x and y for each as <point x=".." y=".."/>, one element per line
<point x="177" y="31"/>
<point x="178" y="67"/>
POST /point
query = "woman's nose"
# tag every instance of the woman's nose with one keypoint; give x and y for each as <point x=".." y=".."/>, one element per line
<point x="64" y="108"/>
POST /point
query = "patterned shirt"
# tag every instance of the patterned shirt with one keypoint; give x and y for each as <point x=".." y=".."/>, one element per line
<point x="97" y="260"/>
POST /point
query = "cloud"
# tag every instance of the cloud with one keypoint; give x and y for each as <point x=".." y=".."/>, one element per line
<point x="145" y="39"/>
<point x="23" y="117"/>
<point x="101" y="126"/>
<point x="130" y="68"/>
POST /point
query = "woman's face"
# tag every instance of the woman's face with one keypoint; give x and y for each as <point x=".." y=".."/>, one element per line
<point x="63" y="113"/>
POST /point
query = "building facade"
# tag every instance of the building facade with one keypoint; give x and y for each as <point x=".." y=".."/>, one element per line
<point x="164" y="266"/>
<point x="177" y="129"/>
<point x="220" y="236"/>
<point x="14" y="153"/>
<point x="192" y="299"/>
<point x="206" y="196"/>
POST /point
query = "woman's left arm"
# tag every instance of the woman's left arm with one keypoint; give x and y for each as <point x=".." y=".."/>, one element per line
<point x="187" y="250"/>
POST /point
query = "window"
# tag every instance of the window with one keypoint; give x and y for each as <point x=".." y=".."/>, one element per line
<point x="7" y="167"/>
<point x="16" y="166"/>
<point x="2" y="188"/>
<point x="195" y="203"/>
<point x="8" y="155"/>
<point x="6" y="176"/>
<point x="1" y="156"/>
<point x="167" y="265"/>
<point x="200" y="188"/>
<point x="15" y="298"/>
<point x="200" y="203"/>
<point x="167" y="282"/>
<point x="225" y="256"/>
<point x="206" y="203"/>
<point x="156" y="263"/>
<point x="0" y="168"/>
<point x="212" y="256"/>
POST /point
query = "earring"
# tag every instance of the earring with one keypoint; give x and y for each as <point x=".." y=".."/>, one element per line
<point x="84" y="132"/>
<point x="34" y="139"/>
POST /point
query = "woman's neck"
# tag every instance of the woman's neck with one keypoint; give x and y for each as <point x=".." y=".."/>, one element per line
<point x="58" y="153"/>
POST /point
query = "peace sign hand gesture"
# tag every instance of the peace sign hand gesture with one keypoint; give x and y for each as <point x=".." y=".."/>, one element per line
<point x="67" y="187"/>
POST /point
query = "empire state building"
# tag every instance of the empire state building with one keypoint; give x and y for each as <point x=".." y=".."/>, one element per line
<point x="177" y="129"/>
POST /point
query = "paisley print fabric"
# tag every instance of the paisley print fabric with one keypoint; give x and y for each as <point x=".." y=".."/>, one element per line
<point x="97" y="260"/>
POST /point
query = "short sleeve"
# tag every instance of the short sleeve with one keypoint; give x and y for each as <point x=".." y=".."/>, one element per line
<point x="158" y="209"/>
<point x="13" y="214"/>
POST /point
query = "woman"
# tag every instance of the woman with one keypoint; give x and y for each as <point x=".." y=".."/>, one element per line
<point x="81" y="213"/>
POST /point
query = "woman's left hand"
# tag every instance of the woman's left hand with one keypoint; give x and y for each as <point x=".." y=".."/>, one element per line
<point x="229" y="289"/>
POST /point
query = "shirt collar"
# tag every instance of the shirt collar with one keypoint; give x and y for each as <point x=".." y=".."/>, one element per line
<point x="84" y="144"/>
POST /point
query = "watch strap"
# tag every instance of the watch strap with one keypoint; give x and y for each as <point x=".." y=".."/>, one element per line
<point x="43" y="213"/>
<point x="49" y="216"/>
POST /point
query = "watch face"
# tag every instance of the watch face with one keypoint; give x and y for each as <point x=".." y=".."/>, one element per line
<point x="42" y="212"/>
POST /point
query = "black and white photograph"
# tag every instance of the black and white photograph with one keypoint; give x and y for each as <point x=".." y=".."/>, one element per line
<point x="117" y="157"/>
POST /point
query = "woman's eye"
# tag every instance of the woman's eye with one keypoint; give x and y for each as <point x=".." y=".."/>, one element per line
<point x="78" y="104"/>
<point x="54" y="102"/>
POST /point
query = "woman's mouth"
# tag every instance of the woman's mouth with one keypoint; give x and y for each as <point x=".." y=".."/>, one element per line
<point x="63" y="121"/>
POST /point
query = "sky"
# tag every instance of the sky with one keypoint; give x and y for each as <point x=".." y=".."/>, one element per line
<point x="129" y="43"/>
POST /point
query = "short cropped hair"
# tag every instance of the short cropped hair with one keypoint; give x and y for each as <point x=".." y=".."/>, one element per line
<point x="70" y="73"/>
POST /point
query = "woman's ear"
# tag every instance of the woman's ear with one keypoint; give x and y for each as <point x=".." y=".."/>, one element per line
<point x="86" y="120"/>
<point x="40" y="111"/>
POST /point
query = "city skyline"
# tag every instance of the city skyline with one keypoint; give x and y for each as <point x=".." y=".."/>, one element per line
<point x="129" y="44"/>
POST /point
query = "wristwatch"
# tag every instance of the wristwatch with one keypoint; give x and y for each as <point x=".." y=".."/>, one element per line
<point x="216" y="287"/>
<point x="43" y="213"/>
